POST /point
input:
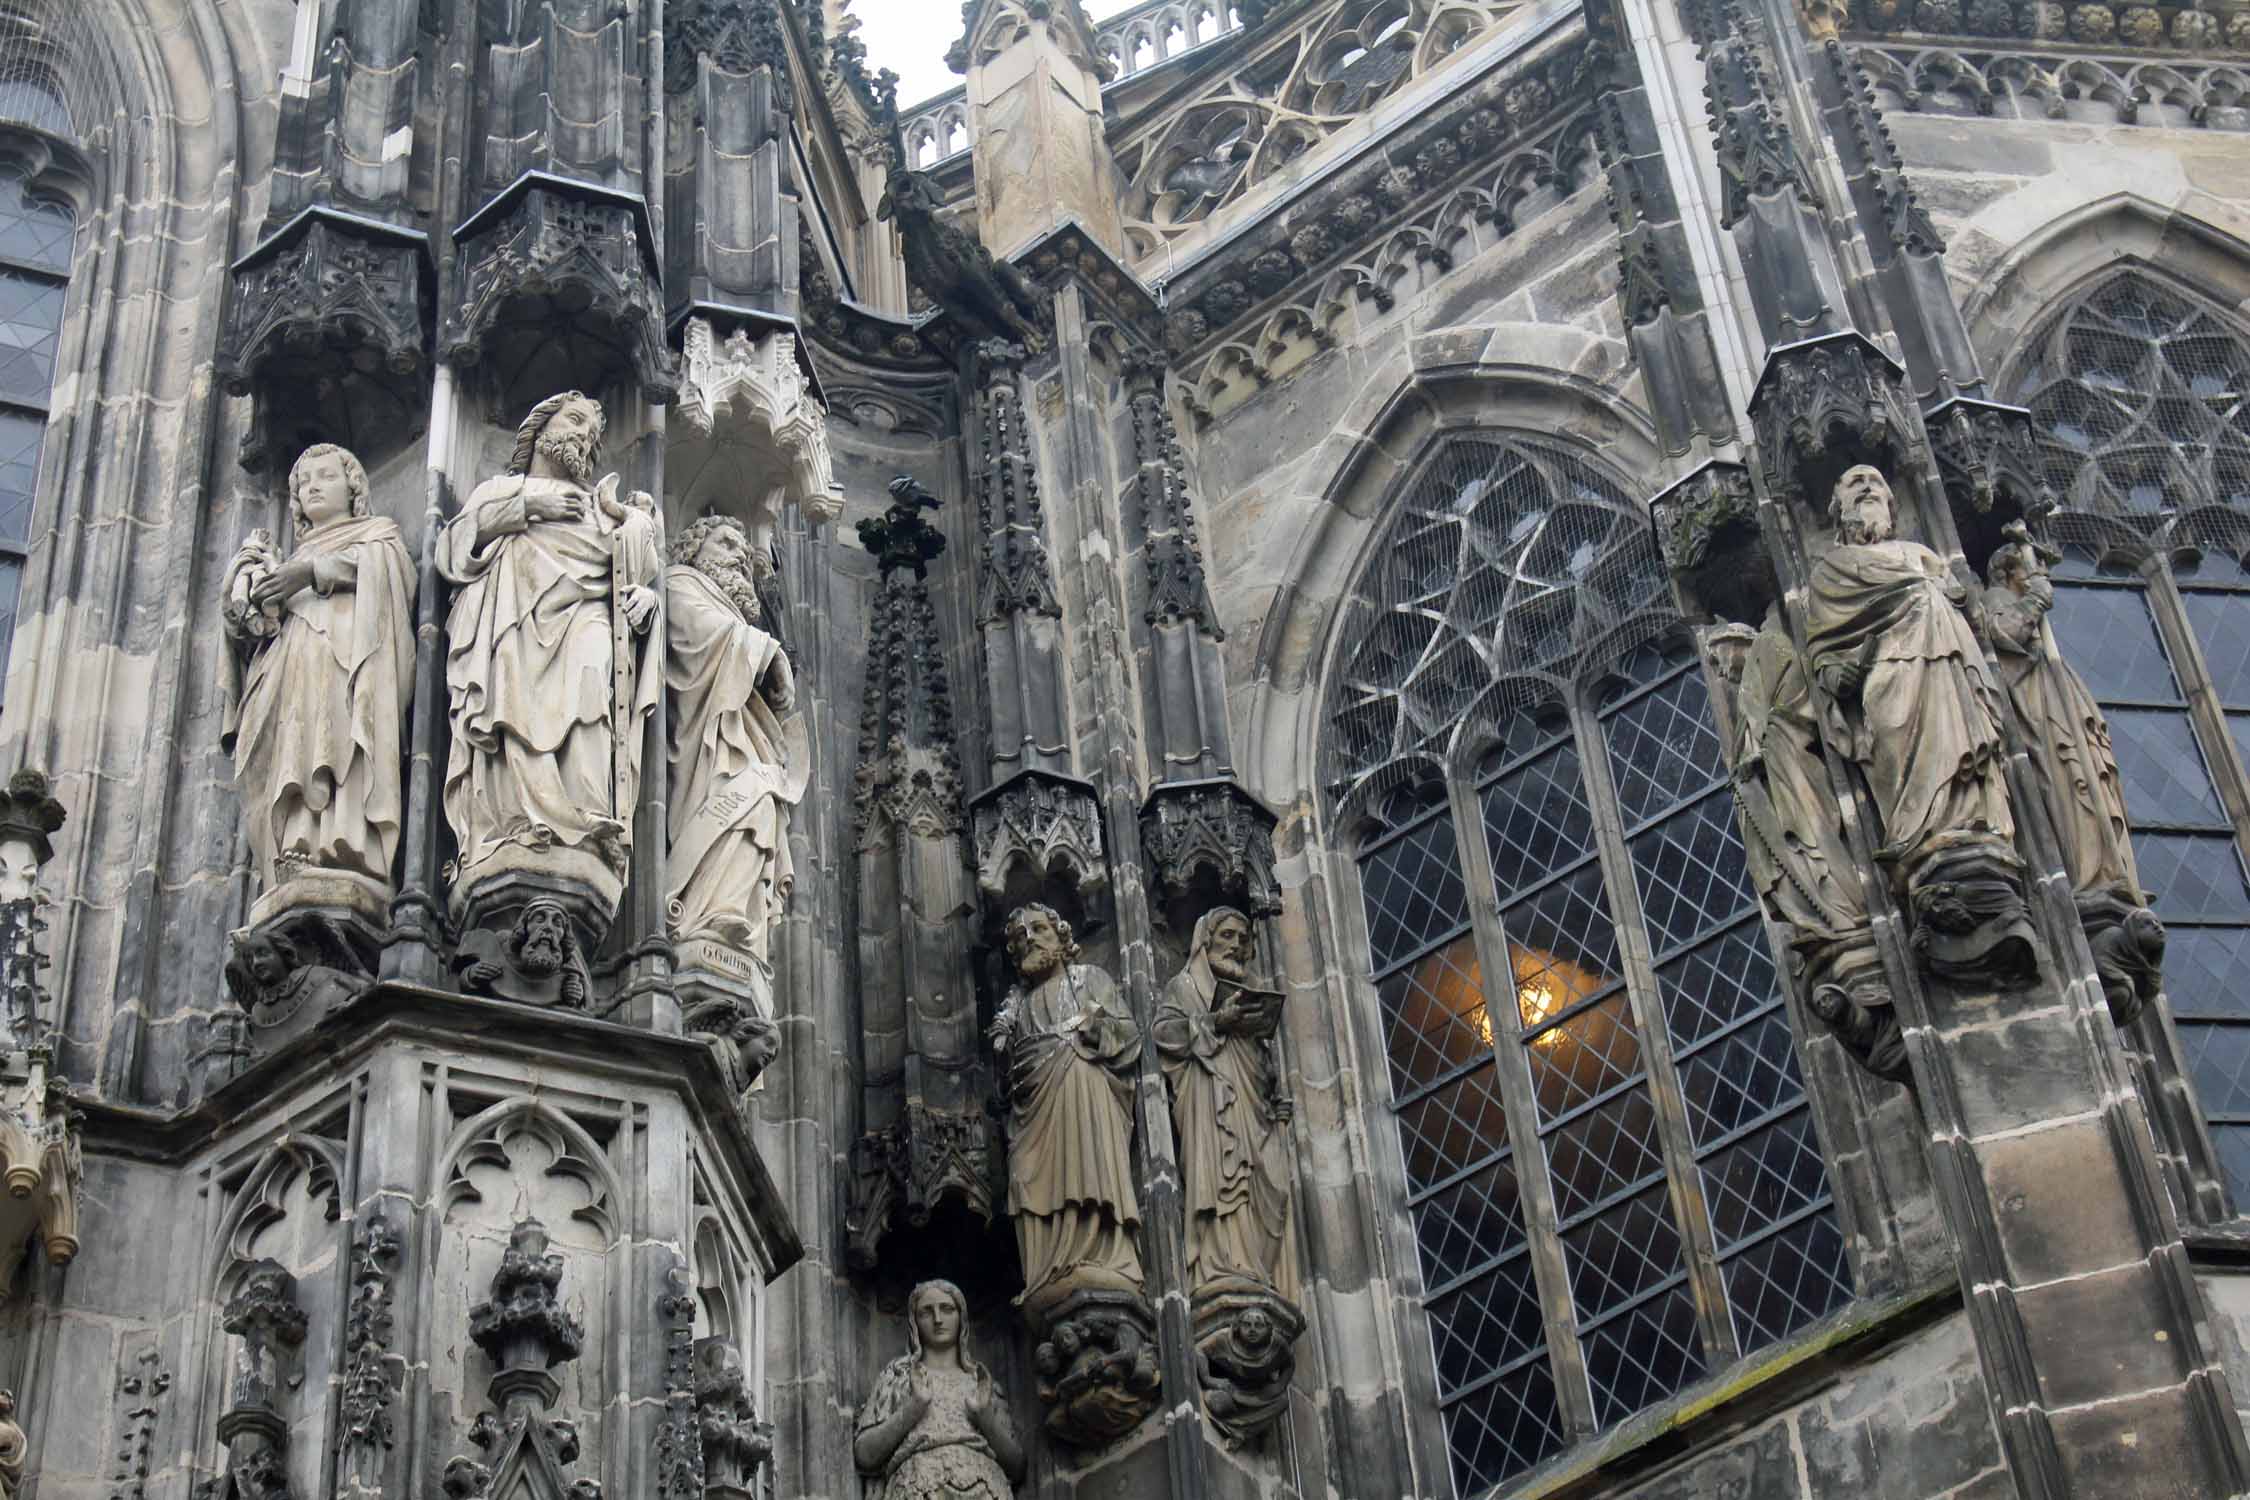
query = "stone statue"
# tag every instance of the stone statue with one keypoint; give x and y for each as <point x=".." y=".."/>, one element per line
<point x="1884" y="627"/>
<point x="1794" y="844"/>
<point x="728" y="809"/>
<point x="550" y="667"/>
<point x="538" y="961"/>
<point x="1912" y="702"/>
<point x="2068" y="739"/>
<point x="316" y="720"/>
<point x="13" y="1446"/>
<point x="936" y="1427"/>
<point x="288" y="976"/>
<point x="1229" y="1114"/>
<point x="1070" y="1048"/>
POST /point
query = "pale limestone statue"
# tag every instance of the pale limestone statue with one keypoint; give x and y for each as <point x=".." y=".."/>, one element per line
<point x="936" y="1427"/>
<point x="1229" y="1114"/>
<point x="731" y="782"/>
<point x="318" y="715"/>
<point x="1070" y="1048"/>
<point x="13" y="1447"/>
<point x="1886" y="635"/>
<point x="2065" y="730"/>
<point x="550" y="667"/>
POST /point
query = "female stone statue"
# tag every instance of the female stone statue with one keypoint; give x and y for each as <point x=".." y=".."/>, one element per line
<point x="328" y="636"/>
<point x="936" y="1428"/>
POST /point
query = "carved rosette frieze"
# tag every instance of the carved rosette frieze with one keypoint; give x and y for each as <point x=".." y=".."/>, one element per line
<point x="331" y="303"/>
<point x="749" y="407"/>
<point x="368" y="1422"/>
<point x="1209" y="843"/>
<point x="553" y="261"/>
<point x="736" y="1445"/>
<point x="1013" y="573"/>
<point x="525" y="1331"/>
<point x="1707" y="528"/>
<point x="1823" y="405"/>
<point x="1037" y="832"/>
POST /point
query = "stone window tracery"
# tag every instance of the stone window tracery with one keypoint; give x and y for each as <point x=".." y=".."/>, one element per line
<point x="36" y="238"/>
<point x="2138" y="391"/>
<point x="1610" y="1163"/>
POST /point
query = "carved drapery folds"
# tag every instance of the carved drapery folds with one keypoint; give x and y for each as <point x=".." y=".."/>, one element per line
<point x="264" y="1317"/>
<point x="1913" y="705"/>
<point x="559" y="276"/>
<point x="1071" y="1050"/>
<point x="1230" y="1119"/>
<point x="329" y="330"/>
<point x="525" y="1331"/>
<point x="929" y="1144"/>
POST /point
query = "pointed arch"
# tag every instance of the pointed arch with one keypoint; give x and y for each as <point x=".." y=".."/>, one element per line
<point x="482" y="1140"/>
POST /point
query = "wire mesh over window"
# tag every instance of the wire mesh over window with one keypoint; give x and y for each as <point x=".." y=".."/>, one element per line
<point x="2138" y="397"/>
<point x="2138" y="392"/>
<point x="36" y="234"/>
<point x="1540" y="1075"/>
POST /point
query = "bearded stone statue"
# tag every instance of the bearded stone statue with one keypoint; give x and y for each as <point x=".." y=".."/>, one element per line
<point x="1230" y="1117"/>
<point x="1070" y="1047"/>
<point x="550" y="667"/>
<point x="325" y="644"/>
<point x="936" y="1425"/>
<point x="731" y="788"/>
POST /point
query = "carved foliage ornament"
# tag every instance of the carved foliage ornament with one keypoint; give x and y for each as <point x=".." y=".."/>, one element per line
<point x="368" y="1422"/>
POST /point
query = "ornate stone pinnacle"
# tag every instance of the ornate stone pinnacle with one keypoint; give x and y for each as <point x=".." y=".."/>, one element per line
<point x="525" y="1326"/>
<point x="902" y="539"/>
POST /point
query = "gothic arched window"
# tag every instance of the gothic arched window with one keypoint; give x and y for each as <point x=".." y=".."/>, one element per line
<point x="2140" y="397"/>
<point x="36" y="235"/>
<point x="1610" y="1164"/>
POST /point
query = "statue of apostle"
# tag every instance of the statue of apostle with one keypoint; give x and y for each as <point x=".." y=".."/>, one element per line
<point x="728" y="874"/>
<point x="1214" y="1031"/>
<point x="1070" y="1048"/>
<point x="1884" y="630"/>
<point x="316" y="726"/>
<point x="549" y="668"/>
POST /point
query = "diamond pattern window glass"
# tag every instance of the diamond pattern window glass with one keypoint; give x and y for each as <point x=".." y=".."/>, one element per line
<point x="36" y="235"/>
<point x="2183" y="841"/>
<point x="1511" y="627"/>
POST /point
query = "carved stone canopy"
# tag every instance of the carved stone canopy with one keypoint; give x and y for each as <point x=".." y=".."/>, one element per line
<point x="29" y="818"/>
<point x="1707" y="528"/>
<point x="1990" y="465"/>
<point x="559" y="286"/>
<point x="1036" y="834"/>
<point x="1823" y="405"/>
<point x="1209" y="843"/>
<point x="751" y="406"/>
<point x="329" y="331"/>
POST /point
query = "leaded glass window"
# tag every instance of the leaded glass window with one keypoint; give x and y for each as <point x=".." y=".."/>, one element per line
<point x="1610" y="1164"/>
<point x="36" y="234"/>
<point x="2138" y="391"/>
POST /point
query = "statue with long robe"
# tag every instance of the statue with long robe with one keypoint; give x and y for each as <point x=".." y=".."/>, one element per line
<point x="318" y="716"/>
<point x="1070" y="1048"/>
<point x="730" y="791"/>
<point x="1214" y="1031"/>
<point x="550" y="664"/>
<point x="1886" y="635"/>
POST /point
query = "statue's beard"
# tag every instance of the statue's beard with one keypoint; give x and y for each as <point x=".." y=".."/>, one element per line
<point x="1227" y="965"/>
<point x="574" y="456"/>
<point x="542" y="955"/>
<point x="1039" y="962"/>
<point x="740" y="588"/>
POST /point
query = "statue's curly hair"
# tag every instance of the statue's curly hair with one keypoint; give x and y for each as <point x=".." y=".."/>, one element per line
<point x="687" y="545"/>
<point x="535" y="422"/>
<point x="1014" y="924"/>
<point x="355" y="474"/>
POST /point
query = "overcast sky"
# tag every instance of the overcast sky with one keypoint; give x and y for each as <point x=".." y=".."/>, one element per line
<point x="910" y="37"/>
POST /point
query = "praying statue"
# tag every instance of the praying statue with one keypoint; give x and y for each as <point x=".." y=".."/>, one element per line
<point x="326" y="643"/>
<point x="936" y="1426"/>
<point x="550" y="668"/>
<point x="729" y="872"/>
<point x="1070" y="1047"/>
<point x="1886" y="634"/>
<point x="1230" y="1117"/>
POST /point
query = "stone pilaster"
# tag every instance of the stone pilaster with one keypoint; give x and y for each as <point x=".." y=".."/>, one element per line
<point x="1035" y="123"/>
